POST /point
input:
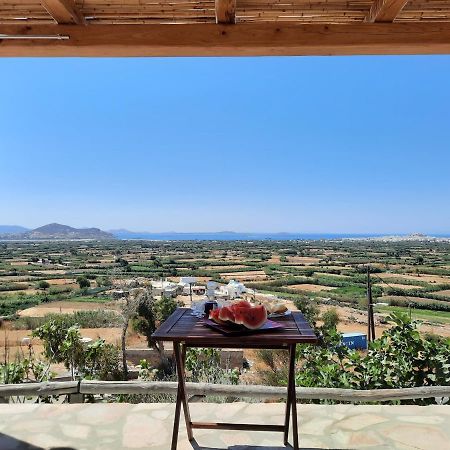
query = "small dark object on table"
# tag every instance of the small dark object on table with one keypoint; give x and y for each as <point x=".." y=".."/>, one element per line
<point x="209" y="306"/>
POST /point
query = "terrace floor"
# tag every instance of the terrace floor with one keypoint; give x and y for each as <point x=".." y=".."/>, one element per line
<point x="126" y="426"/>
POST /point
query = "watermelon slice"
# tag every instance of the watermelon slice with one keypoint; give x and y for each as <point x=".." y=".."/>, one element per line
<point x="252" y="318"/>
<point x="241" y="304"/>
<point x="226" y="313"/>
<point x="214" y="315"/>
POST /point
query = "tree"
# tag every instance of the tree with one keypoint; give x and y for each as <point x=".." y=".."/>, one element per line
<point x="96" y="360"/>
<point x="43" y="284"/>
<point x="309" y="309"/>
<point x="145" y="322"/>
<point x="83" y="282"/>
<point x="164" y="307"/>
<point x="330" y="319"/>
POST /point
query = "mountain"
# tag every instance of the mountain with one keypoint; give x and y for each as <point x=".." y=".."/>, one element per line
<point x="9" y="229"/>
<point x="56" y="231"/>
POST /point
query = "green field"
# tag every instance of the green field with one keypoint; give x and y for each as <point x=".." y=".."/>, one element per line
<point x="332" y="272"/>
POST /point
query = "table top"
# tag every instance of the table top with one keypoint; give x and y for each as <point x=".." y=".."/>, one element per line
<point x="182" y="326"/>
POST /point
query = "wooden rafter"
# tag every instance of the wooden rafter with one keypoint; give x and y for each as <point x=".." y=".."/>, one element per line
<point x="225" y="11"/>
<point x="385" y="10"/>
<point x="64" y="11"/>
<point x="223" y="40"/>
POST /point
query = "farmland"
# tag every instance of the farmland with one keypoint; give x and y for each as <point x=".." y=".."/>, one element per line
<point x="41" y="278"/>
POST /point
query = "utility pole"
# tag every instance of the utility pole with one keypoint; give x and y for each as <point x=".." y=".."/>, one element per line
<point x="370" y="318"/>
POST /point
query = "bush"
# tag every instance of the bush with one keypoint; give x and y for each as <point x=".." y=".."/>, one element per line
<point x="400" y="358"/>
<point x="433" y="305"/>
<point x="309" y="309"/>
<point x="56" y="290"/>
<point x="9" y="306"/>
<point x="330" y="319"/>
<point x="164" y="307"/>
<point x="84" y="319"/>
<point x="83" y="282"/>
<point x="96" y="360"/>
<point x="13" y="287"/>
<point x="43" y="284"/>
<point x="203" y="366"/>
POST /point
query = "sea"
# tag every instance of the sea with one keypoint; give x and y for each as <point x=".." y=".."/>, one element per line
<point x="234" y="236"/>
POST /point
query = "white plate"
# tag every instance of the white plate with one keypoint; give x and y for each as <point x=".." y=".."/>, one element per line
<point x="274" y="315"/>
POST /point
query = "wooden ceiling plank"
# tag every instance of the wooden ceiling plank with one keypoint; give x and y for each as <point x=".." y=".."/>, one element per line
<point x="64" y="11"/>
<point x="209" y="39"/>
<point x="225" y="11"/>
<point x="385" y="10"/>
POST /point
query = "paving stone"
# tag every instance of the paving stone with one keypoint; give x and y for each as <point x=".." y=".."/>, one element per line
<point x="423" y="437"/>
<point x="126" y="426"/>
<point x="75" y="431"/>
<point x="360" y="421"/>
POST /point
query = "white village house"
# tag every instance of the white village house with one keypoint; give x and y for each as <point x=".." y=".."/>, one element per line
<point x="165" y="288"/>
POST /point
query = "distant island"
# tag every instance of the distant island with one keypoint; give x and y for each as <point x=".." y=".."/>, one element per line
<point x="53" y="231"/>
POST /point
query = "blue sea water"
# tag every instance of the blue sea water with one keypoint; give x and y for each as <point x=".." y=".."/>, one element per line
<point x="232" y="236"/>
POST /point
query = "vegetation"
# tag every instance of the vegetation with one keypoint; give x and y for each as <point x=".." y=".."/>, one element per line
<point x="96" y="360"/>
<point x="43" y="284"/>
<point x="82" y="319"/>
<point x="401" y="357"/>
<point x="406" y="276"/>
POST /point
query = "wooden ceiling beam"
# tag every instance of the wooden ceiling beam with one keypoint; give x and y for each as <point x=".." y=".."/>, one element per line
<point x="264" y="39"/>
<point x="385" y="10"/>
<point x="225" y="11"/>
<point x="64" y="11"/>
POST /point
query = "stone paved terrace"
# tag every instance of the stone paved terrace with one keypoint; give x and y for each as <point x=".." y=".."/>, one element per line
<point x="126" y="426"/>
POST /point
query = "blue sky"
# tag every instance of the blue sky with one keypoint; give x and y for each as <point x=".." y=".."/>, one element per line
<point x="358" y="144"/>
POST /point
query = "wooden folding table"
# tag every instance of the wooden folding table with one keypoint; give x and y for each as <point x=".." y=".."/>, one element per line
<point x="186" y="330"/>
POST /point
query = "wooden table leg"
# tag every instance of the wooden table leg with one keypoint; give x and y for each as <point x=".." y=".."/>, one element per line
<point x="288" y="407"/>
<point x="291" y="402"/>
<point x="293" y="396"/>
<point x="181" y="398"/>
<point x="176" y="421"/>
<point x="184" y="398"/>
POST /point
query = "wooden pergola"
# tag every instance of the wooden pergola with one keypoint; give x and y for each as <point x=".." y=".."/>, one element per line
<point x="223" y="27"/>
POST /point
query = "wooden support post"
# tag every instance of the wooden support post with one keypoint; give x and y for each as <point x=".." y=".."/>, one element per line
<point x="385" y="10"/>
<point x="64" y="11"/>
<point x="370" y="317"/>
<point x="225" y="11"/>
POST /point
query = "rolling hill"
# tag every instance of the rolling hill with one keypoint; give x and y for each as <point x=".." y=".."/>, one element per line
<point x="56" y="231"/>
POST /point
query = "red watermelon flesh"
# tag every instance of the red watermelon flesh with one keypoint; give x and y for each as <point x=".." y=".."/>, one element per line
<point x="241" y="304"/>
<point x="238" y="314"/>
<point x="214" y="315"/>
<point x="252" y="318"/>
<point x="226" y="313"/>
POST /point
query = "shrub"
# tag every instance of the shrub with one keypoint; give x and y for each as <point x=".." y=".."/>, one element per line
<point x="83" y="282"/>
<point x="96" y="360"/>
<point x="13" y="287"/>
<point x="43" y="284"/>
<point x="400" y="358"/>
<point x="164" y="307"/>
<point x="84" y="319"/>
<point x="330" y="319"/>
<point x="309" y="309"/>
